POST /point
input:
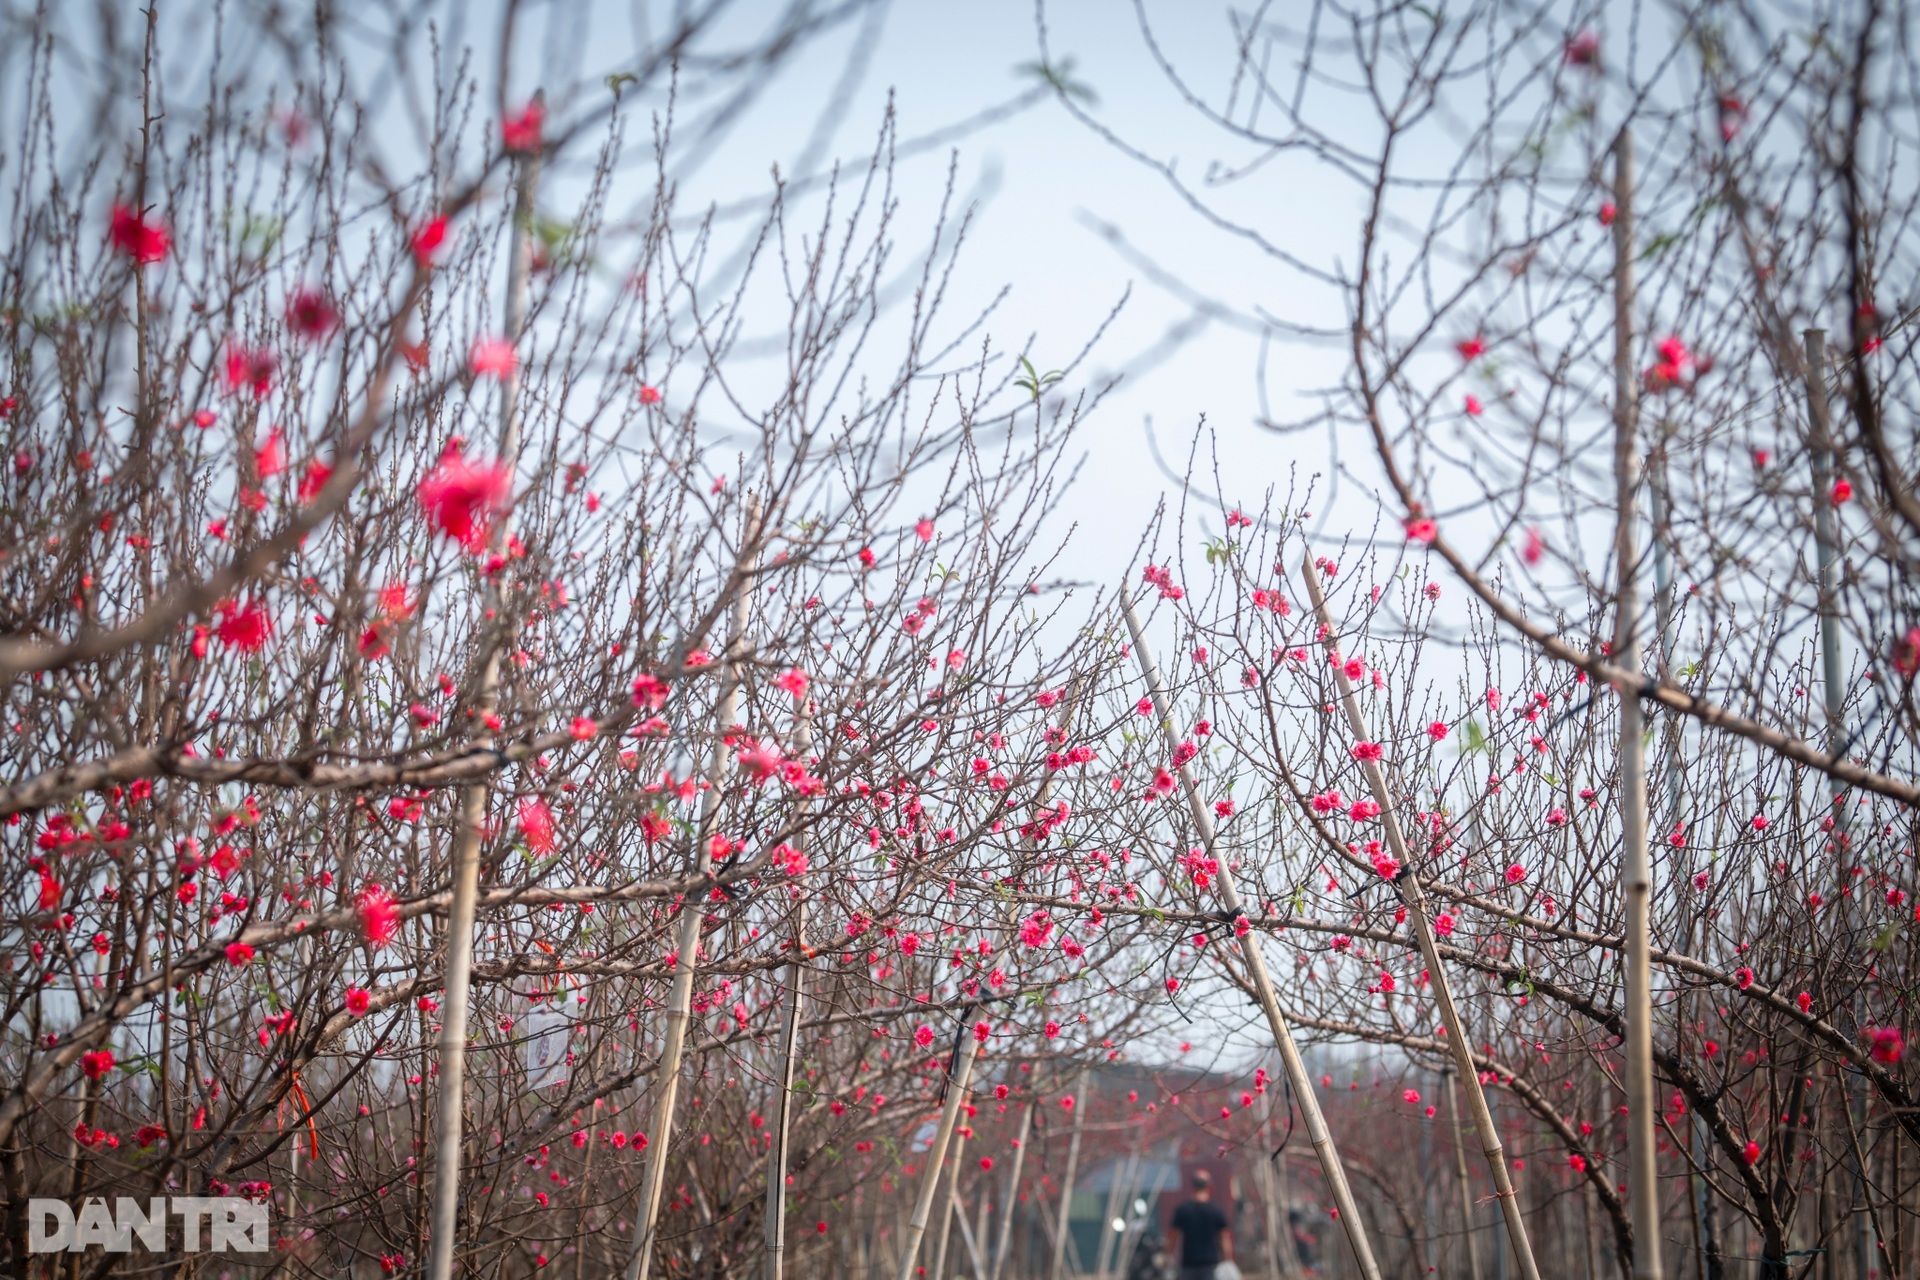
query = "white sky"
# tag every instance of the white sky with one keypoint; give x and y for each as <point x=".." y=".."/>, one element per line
<point x="1043" y="181"/>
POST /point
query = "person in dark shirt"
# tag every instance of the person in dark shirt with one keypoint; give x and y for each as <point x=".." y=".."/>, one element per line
<point x="1201" y="1237"/>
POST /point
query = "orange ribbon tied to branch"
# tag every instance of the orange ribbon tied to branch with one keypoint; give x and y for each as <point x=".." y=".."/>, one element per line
<point x="313" y="1130"/>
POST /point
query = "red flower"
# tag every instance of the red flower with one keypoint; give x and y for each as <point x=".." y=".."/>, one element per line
<point x="924" y="530"/>
<point x="1471" y="349"/>
<point x="310" y="315"/>
<point x="522" y="132"/>
<point x="428" y="237"/>
<point x="1842" y="491"/>
<point x="1422" y="530"/>
<point x="1583" y="50"/>
<point x="1608" y="212"/>
<point x="1364" y="751"/>
<point x="270" y="459"/>
<point x="493" y="358"/>
<point x="1733" y="114"/>
<point x="1906" y="653"/>
<point x="250" y="367"/>
<point x="1888" y="1043"/>
<point x="1805" y="1002"/>
<point x="1516" y="873"/>
<point x="379" y="917"/>
<point x="462" y="500"/>
<point x="313" y="480"/>
<point x="536" y="823"/>
<point x="358" y="1002"/>
<point x="650" y="692"/>
<point x="1752" y="1153"/>
<point x="239" y="953"/>
<point x="139" y="239"/>
<point x="1533" y="548"/>
<point x="97" y="1063"/>
<point x="649" y="395"/>
<point x="243" y="626"/>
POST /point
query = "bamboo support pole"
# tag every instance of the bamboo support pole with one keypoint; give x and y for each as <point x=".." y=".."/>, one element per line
<point x="776" y="1212"/>
<point x="959" y="1081"/>
<point x="692" y="917"/>
<point x="1636" y="871"/>
<point x="1229" y="896"/>
<point x="1013" y="1192"/>
<point x="473" y="798"/>
<point x="1058" y="1266"/>
<point x="1460" y="1172"/>
<point x="946" y="1218"/>
<point x="1415" y="900"/>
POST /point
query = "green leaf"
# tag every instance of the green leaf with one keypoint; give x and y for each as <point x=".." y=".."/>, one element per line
<point x="1059" y="77"/>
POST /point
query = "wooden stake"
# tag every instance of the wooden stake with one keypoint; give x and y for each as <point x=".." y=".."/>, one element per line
<point x="692" y="916"/>
<point x="1460" y="1172"/>
<point x="946" y="1219"/>
<point x="1229" y="896"/>
<point x="1013" y="1190"/>
<point x="1636" y="870"/>
<point x="473" y="798"/>
<point x="958" y="1084"/>
<point x="776" y="1213"/>
<point x="1415" y="900"/>
<point x="1055" y="1271"/>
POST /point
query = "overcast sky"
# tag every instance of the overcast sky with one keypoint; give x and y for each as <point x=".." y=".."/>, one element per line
<point x="1044" y="187"/>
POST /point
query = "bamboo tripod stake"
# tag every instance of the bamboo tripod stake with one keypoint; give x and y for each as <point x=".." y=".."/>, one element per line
<point x="1013" y="1192"/>
<point x="1460" y="1173"/>
<point x="473" y="799"/>
<point x="959" y="1082"/>
<point x="1317" y="1131"/>
<point x="1415" y="900"/>
<point x="951" y="1206"/>
<point x="692" y="916"/>
<point x="1636" y="869"/>
<point x="776" y="1214"/>
<point x="1057" y="1269"/>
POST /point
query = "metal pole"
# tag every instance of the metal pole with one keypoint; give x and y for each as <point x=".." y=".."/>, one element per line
<point x="1636" y="861"/>
<point x="692" y="916"/>
<point x="1229" y="896"/>
<point x="468" y="831"/>
<point x="1415" y="899"/>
